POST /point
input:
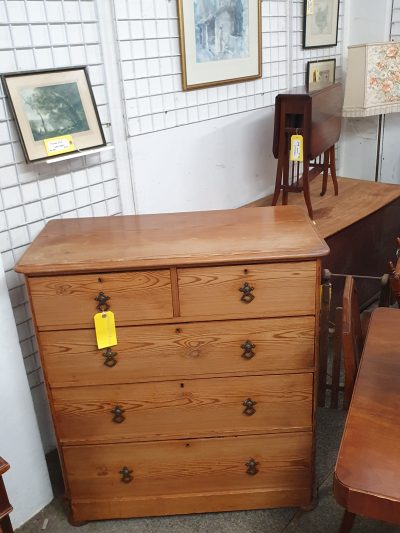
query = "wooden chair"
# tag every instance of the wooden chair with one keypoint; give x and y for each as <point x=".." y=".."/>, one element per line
<point x="5" y="507"/>
<point x="352" y="337"/>
<point x="394" y="274"/>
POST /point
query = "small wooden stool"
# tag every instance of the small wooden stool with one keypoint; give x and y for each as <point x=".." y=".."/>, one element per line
<point x="5" y="507"/>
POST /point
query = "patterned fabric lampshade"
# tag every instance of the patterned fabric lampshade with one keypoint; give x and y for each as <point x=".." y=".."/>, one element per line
<point x="373" y="80"/>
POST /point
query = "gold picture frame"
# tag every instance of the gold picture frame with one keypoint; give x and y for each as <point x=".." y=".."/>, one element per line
<point x="219" y="43"/>
<point x="53" y="104"/>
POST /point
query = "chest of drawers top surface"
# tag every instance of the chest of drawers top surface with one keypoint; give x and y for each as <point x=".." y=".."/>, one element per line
<point x="263" y="234"/>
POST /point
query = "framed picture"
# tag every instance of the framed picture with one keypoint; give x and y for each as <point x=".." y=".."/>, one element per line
<point x="321" y="18"/>
<point x="320" y="73"/>
<point x="220" y="41"/>
<point x="52" y="109"/>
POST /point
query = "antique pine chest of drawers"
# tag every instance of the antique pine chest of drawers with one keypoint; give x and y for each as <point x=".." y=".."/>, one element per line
<point x="207" y="402"/>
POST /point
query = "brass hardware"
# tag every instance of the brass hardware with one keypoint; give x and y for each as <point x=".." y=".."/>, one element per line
<point x="249" y="405"/>
<point x="102" y="300"/>
<point x="118" y="413"/>
<point x="110" y="358"/>
<point x="247" y="297"/>
<point x="248" y="350"/>
<point x="126" y="474"/>
<point x="251" y="467"/>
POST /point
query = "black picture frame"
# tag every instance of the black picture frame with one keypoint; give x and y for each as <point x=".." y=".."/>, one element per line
<point x="328" y="76"/>
<point x="77" y="77"/>
<point x="313" y="21"/>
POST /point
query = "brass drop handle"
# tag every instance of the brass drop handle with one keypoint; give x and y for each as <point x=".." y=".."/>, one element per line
<point x="118" y="413"/>
<point x="249" y="407"/>
<point x="102" y="300"/>
<point x="251" y="467"/>
<point x="110" y="358"/>
<point x="126" y="475"/>
<point x="248" y="350"/>
<point x="247" y="297"/>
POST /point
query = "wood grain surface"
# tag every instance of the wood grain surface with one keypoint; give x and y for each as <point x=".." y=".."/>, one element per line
<point x="188" y="467"/>
<point x="357" y="199"/>
<point x="192" y="408"/>
<point x="133" y="242"/>
<point x="216" y="290"/>
<point x="367" y="472"/>
<point x="69" y="301"/>
<point x="146" y="353"/>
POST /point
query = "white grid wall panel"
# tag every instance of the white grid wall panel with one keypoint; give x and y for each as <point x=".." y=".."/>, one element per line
<point x="301" y="56"/>
<point x="37" y="34"/>
<point x="148" y="41"/>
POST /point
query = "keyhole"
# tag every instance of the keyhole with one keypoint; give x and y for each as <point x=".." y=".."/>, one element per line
<point x="182" y="385"/>
<point x="99" y="280"/>
<point x="246" y="271"/>
<point x="178" y="330"/>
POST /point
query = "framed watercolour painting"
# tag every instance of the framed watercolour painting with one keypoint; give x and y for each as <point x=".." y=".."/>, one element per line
<point x="54" y="111"/>
<point x="220" y="41"/>
<point x="321" y="19"/>
<point x="320" y="73"/>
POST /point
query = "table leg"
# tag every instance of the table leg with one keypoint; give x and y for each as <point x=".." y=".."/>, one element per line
<point x="332" y="164"/>
<point x="347" y="522"/>
<point x="306" y="187"/>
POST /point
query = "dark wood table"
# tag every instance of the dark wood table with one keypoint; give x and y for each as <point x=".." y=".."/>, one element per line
<point x="367" y="473"/>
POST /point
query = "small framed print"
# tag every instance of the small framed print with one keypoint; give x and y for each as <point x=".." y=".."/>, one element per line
<point x="320" y="73"/>
<point x="220" y="41"/>
<point x="54" y="111"/>
<point x="321" y="18"/>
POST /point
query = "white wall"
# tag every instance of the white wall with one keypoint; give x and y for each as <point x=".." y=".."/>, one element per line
<point x="27" y="482"/>
<point x="366" y="21"/>
<point x="217" y="164"/>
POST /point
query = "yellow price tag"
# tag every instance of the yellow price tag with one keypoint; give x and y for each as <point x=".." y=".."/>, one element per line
<point x="104" y="324"/>
<point x="59" y="145"/>
<point x="310" y="7"/>
<point x="296" y="148"/>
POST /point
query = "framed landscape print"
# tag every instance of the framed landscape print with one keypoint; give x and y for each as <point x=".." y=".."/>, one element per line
<point x="320" y="73"/>
<point x="54" y="111"/>
<point x="321" y="19"/>
<point x="220" y="41"/>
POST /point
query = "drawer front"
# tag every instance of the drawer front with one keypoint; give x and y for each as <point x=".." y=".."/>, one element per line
<point x="180" y="350"/>
<point x="188" y="467"/>
<point x="183" y="409"/>
<point x="279" y="289"/>
<point x="70" y="301"/>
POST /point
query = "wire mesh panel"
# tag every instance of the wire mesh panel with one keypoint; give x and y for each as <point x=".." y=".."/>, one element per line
<point x="36" y="34"/>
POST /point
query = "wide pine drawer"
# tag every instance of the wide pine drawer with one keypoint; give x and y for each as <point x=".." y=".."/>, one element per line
<point x="181" y="409"/>
<point x="64" y="302"/>
<point x="186" y="476"/>
<point x="242" y="291"/>
<point x="172" y="351"/>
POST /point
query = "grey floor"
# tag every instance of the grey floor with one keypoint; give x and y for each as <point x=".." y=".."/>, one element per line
<point x="324" y="518"/>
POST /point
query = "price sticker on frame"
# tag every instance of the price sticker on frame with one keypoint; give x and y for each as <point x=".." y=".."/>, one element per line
<point x="310" y="7"/>
<point x="59" y="145"/>
<point x="296" y="148"/>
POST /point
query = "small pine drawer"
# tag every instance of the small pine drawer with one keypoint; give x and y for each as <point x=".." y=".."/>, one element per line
<point x="66" y="302"/>
<point x="279" y="289"/>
